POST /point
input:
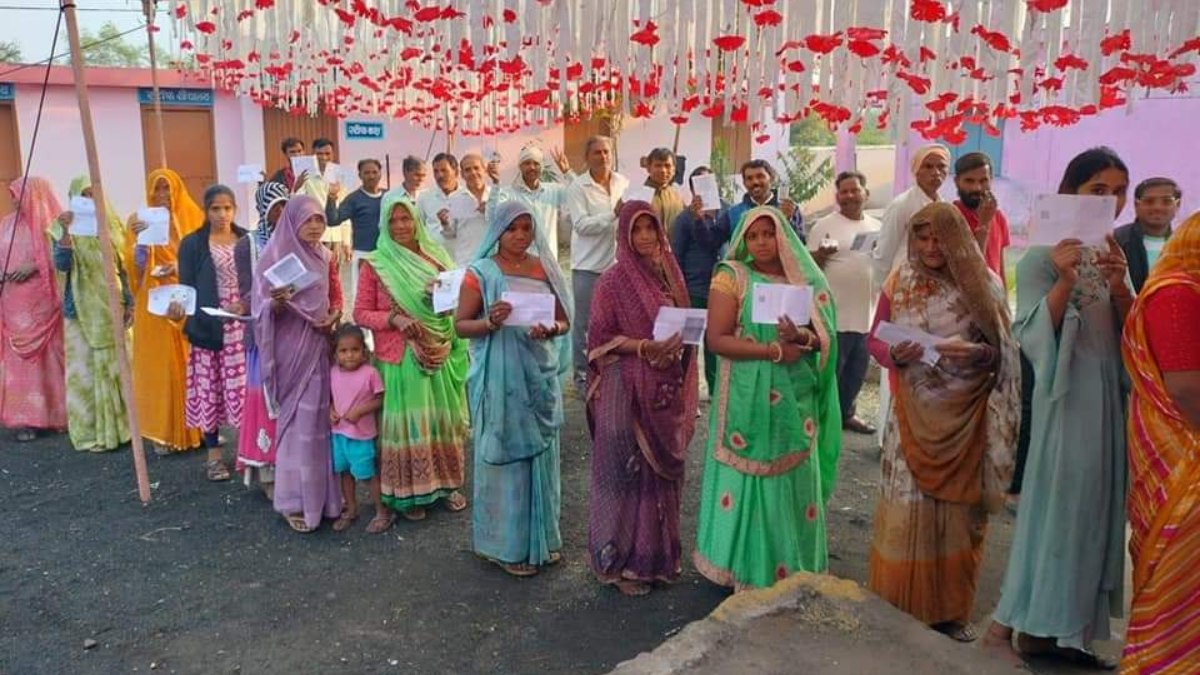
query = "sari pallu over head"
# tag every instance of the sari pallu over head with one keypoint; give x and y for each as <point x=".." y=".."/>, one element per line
<point x="32" y="309"/>
<point x="521" y="374"/>
<point x="958" y="426"/>
<point x="186" y="218"/>
<point x="406" y="274"/>
<point x="88" y="281"/>
<point x="751" y="436"/>
<point x="281" y="359"/>
<point x="625" y="304"/>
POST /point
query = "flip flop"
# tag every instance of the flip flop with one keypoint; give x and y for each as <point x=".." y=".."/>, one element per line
<point x="456" y="502"/>
<point x="554" y="559"/>
<point x="297" y="523"/>
<point x="216" y="470"/>
<point x="414" y="515"/>
<point x="344" y="521"/>
<point x="960" y="632"/>
<point x="382" y="522"/>
<point x="26" y="435"/>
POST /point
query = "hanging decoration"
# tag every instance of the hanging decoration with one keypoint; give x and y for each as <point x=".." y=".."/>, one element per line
<point x="485" y="67"/>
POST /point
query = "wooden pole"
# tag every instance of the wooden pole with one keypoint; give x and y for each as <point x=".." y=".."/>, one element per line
<point x="106" y="250"/>
<point x="149" y="8"/>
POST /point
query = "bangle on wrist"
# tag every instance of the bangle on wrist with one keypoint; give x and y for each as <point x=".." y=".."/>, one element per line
<point x="491" y="325"/>
<point x="778" y="357"/>
<point x="641" y="344"/>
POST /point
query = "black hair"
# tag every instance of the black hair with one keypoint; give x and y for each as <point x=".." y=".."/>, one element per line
<point x="446" y="157"/>
<point x="698" y="171"/>
<point x="972" y="161"/>
<point x="1086" y="165"/>
<point x="289" y="142"/>
<point x="857" y="175"/>
<point x="349" y="330"/>
<point x="411" y="164"/>
<point x="216" y="190"/>
<point x="369" y="160"/>
<point x="1157" y="181"/>
<point x="322" y="143"/>
<point x="660" y="155"/>
<point x="759" y="164"/>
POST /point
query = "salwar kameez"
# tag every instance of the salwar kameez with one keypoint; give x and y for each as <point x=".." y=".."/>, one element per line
<point x="216" y="380"/>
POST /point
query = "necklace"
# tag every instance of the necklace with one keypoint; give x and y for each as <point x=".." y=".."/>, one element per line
<point x="516" y="264"/>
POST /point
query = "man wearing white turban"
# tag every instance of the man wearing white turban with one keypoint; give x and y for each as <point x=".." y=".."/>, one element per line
<point x="930" y="167"/>
<point x="544" y="199"/>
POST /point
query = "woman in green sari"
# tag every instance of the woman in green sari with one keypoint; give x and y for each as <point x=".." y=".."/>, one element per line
<point x="423" y="426"/>
<point x="775" y="426"/>
<point x="97" y="420"/>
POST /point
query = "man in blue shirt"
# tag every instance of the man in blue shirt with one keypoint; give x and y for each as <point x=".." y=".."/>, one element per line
<point x="361" y="208"/>
<point x="761" y="182"/>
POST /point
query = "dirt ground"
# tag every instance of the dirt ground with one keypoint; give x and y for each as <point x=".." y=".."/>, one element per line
<point x="208" y="579"/>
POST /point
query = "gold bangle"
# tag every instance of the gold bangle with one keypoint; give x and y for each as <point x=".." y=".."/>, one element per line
<point x="491" y="326"/>
<point x="779" y="357"/>
<point x="641" y="344"/>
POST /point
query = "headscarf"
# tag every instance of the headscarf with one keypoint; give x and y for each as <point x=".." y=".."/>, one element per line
<point x="265" y="197"/>
<point x="921" y="154"/>
<point x="88" y="285"/>
<point x="311" y="303"/>
<point x="28" y="328"/>
<point x="1181" y="252"/>
<point x="406" y="273"/>
<point x="186" y="218"/>
<point x="626" y="303"/>
<point x="501" y="218"/>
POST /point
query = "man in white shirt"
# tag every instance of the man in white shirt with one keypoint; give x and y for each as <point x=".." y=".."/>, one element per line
<point x="930" y="167"/>
<point x="466" y="232"/>
<point x="848" y="270"/>
<point x="545" y="199"/>
<point x="413" y="168"/>
<point x="591" y="204"/>
<point x="434" y="204"/>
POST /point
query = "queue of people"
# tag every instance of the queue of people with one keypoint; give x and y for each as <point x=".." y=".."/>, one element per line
<point x="386" y="391"/>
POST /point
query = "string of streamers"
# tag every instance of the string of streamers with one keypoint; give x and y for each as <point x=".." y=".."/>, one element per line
<point x="484" y="67"/>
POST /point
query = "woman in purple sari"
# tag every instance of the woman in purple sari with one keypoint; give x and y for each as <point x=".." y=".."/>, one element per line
<point x="291" y="328"/>
<point x="642" y="399"/>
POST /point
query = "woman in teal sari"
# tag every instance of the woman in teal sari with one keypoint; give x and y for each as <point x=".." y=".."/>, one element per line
<point x="775" y="426"/>
<point x="514" y="394"/>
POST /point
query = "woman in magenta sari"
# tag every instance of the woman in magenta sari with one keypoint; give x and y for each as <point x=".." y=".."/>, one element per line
<point x="32" y="359"/>
<point x="291" y="329"/>
<point x="642" y="399"/>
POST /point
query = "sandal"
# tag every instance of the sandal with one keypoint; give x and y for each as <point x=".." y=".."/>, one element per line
<point x="414" y="514"/>
<point x="633" y="589"/>
<point x="345" y="520"/>
<point x="456" y="502"/>
<point x="297" y="523"/>
<point x="26" y="435"/>
<point x="517" y="569"/>
<point x="958" y="631"/>
<point x="554" y="559"/>
<point x="216" y="470"/>
<point x="382" y="522"/>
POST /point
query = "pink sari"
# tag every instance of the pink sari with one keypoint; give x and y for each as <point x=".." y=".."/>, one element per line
<point x="32" y="360"/>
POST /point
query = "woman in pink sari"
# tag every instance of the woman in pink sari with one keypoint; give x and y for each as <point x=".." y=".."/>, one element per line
<point x="32" y="360"/>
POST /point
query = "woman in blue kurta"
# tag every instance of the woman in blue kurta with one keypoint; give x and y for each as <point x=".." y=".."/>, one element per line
<point x="514" y="394"/>
<point x="1065" y="569"/>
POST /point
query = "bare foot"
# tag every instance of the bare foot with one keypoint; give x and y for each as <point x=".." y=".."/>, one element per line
<point x="997" y="643"/>
<point x="633" y="588"/>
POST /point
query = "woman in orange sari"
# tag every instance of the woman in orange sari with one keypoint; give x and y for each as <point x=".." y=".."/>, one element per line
<point x="1161" y="349"/>
<point x="32" y="379"/>
<point x="160" y="352"/>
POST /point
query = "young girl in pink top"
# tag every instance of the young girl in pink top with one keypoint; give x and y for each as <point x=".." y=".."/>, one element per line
<point x="357" y="392"/>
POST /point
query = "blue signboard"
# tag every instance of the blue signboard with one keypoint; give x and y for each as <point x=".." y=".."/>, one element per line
<point x="199" y="98"/>
<point x="7" y="91"/>
<point x="364" y="131"/>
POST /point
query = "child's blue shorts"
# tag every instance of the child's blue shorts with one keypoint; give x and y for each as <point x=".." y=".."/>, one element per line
<point x="355" y="456"/>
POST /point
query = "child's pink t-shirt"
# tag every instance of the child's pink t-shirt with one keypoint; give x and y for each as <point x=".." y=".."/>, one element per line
<point x="350" y="389"/>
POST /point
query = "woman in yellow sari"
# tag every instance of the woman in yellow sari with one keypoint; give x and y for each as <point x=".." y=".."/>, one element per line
<point x="1161" y="349"/>
<point x="159" y="349"/>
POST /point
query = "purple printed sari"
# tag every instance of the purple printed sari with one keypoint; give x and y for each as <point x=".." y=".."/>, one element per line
<point x="641" y="418"/>
<point x="295" y="361"/>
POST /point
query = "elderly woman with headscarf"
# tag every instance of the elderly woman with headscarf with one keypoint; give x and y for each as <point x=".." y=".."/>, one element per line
<point x="642" y="399"/>
<point x="160" y="353"/>
<point x="96" y="410"/>
<point x="291" y="328"/>
<point x="423" y="430"/>
<point x="775" y="428"/>
<point x="948" y="455"/>
<point x="32" y="391"/>
<point x="514" y="394"/>
<point x="256" y="435"/>
<point x="1162" y="354"/>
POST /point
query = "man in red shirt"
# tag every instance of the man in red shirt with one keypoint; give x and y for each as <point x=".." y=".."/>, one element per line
<point x="973" y="178"/>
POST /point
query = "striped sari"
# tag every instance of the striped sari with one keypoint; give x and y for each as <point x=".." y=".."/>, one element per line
<point x="1164" y="496"/>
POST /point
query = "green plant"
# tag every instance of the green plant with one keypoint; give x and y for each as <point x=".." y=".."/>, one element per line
<point x="802" y="176"/>
<point x="721" y="165"/>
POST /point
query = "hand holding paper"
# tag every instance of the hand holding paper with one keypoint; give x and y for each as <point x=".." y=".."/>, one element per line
<point x="1087" y="218"/>
<point x="83" y="211"/>
<point x="690" y="323"/>
<point x="161" y="298"/>
<point x="705" y="187"/>
<point x="446" y="290"/>
<point x="529" y="309"/>
<point x="772" y="301"/>
<point x="158" y="226"/>
<point x="894" y="335"/>
<point x="305" y="165"/>
<point x="289" y="272"/>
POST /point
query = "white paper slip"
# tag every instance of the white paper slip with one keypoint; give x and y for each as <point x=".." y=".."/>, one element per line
<point x="445" y="293"/>
<point x="305" y="164"/>
<point x="160" y="299"/>
<point x="529" y="309"/>
<point x="1087" y="218"/>
<point x="689" y="323"/>
<point x="83" y="221"/>
<point x="864" y="241"/>
<point x="463" y="206"/>
<point x="892" y="335"/>
<point x="333" y="174"/>
<point x="249" y="173"/>
<point x="158" y="226"/>
<point x="222" y="314"/>
<point x="638" y="193"/>
<point x="290" y="272"/>
<point x="705" y="187"/>
<point x="772" y="301"/>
